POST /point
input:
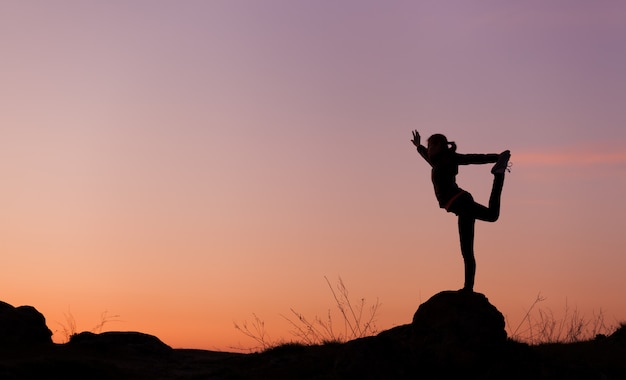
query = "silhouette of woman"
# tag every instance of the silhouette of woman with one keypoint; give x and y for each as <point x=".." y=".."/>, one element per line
<point x="444" y="160"/>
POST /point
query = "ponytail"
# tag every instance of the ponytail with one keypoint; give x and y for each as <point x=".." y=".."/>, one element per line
<point x="452" y="146"/>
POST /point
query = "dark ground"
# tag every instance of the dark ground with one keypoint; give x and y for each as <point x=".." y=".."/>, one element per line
<point x="383" y="357"/>
<point x="453" y="335"/>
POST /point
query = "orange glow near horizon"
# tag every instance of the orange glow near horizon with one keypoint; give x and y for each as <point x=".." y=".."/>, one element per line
<point x="184" y="167"/>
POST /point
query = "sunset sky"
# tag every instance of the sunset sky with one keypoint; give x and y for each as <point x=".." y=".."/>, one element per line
<point x="187" y="164"/>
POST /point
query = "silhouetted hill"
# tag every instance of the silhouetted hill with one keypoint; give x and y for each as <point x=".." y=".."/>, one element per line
<point x="453" y="334"/>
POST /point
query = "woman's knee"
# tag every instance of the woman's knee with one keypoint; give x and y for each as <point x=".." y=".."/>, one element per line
<point x="490" y="215"/>
<point x="492" y="218"/>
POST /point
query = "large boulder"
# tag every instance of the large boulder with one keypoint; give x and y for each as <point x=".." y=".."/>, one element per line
<point x="458" y="329"/>
<point x="22" y="326"/>
<point x="453" y="333"/>
<point x="120" y="341"/>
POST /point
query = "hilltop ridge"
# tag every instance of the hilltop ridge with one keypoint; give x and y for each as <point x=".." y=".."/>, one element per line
<point x="452" y="333"/>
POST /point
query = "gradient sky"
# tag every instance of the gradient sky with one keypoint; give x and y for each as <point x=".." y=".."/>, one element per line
<point x="185" y="164"/>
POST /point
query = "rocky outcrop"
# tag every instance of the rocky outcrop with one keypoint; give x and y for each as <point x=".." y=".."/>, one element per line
<point x="453" y="333"/>
<point x="459" y="318"/>
<point x="22" y="326"/>
<point x="124" y="341"/>
<point x="458" y="329"/>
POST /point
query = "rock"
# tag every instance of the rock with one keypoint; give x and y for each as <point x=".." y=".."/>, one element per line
<point x="458" y="329"/>
<point x="126" y="341"/>
<point x="452" y="333"/>
<point x="22" y="326"/>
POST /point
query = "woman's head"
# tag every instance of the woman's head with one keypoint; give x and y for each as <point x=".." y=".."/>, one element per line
<point x="439" y="143"/>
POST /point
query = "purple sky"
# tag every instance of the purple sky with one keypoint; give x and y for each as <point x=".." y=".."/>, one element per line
<point x="199" y="161"/>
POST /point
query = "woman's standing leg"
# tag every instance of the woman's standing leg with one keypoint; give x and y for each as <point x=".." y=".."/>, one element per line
<point x="468" y="212"/>
<point x="466" y="236"/>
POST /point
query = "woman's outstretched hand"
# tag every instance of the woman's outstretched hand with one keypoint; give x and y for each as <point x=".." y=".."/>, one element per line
<point x="417" y="140"/>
